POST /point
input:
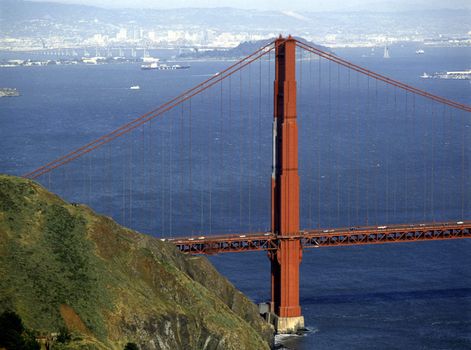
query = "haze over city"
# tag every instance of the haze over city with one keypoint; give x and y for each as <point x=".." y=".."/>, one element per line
<point x="299" y="5"/>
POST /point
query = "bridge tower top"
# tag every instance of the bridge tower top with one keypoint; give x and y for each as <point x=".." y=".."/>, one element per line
<point x="285" y="179"/>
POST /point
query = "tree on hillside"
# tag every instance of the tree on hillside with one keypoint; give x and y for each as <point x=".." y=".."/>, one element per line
<point x="13" y="335"/>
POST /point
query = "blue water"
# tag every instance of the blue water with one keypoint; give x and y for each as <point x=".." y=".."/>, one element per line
<point x="398" y="160"/>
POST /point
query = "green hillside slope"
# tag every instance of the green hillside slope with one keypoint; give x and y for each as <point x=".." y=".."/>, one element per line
<point x="63" y="265"/>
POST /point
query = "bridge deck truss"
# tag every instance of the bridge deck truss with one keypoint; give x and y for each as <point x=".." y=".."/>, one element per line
<point x="319" y="238"/>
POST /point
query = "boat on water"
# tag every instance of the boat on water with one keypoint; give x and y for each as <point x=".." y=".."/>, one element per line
<point x="135" y="87"/>
<point x="419" y="52"/>
<point x="163" y="66"/>
<point x="386" y="52"/>
<point x="9" y="92"/>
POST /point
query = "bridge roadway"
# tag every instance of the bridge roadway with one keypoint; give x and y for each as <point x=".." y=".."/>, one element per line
<point x="236" y="243"/>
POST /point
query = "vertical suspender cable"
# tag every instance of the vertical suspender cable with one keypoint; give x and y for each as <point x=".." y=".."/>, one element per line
<point x="450" y="144"/>
<point x="171" y="150"/>
<point x="329" y="151"/>
<point x="142" y="177"/>
<point x="152" y="178"/>
<point x="357" y="153"/>
<point x="388" y="160"/>
<point x="406" y="143"/>
<point x="250" y="146"/>
<point x="395" y="177"/>
<point x="462" y="187"/>
<point x="378" y="164"/>
<point x="241" y="126"/>
<point x="123" y="199"/>
<point x="300" y="120"/>
<point x="300" y="52"/>
<point x="311" y="165"/>
<point x="337" y="153"/>
<point x="444" y="150"/>
<point x="432" y="187"/>
<point x="142" y="170"/>
<point x="349" y="195"/>
<point x="424" y="154"/>
<point x="319" y="147"/>
<point x="181" y="166"/>
<point x="376" y="121"/>
<point x="367" y="165"/>
<point x="413" y="136"/>
<point x="109" y="181"/>
<point x="89" y="196"/>
<point x="162" y="182"/>
<point x="202" y="193"/>
<point x="221" y="153"/>
<point x="259" y="137"/>
<point x="230" y="148"/>
<point x="303" y="115"/>
<point x="147" y="182"/>
<point x="130" y="188"/>
<point x="269" y="88"/>
<point x="210" y="168"/>
<point x="190" y="165"/>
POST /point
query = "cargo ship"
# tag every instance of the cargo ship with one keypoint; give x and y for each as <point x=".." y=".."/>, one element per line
<point x="163" y="66"/>
<point x="455" y="75"/>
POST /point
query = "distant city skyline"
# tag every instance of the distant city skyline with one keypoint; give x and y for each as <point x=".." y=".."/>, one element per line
<point x="278" y="5"/>
<point x="53" y="25"/>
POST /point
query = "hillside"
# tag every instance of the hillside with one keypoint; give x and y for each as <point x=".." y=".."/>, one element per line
<point x="64" y="265"/>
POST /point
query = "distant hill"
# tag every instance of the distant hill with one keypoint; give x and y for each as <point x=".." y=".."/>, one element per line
<point x="63" y="265"/>
<point x="242" y="50"/>
<point x="83" y="16"/>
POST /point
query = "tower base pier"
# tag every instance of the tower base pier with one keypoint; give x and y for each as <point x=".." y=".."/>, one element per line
<point x="286" y="325"/>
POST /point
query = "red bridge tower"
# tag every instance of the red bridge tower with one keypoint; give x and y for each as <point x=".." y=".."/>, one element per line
<point x="285" y="193"/>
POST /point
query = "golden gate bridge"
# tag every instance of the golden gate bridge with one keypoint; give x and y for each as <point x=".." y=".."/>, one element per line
<point x="194" y="167"/>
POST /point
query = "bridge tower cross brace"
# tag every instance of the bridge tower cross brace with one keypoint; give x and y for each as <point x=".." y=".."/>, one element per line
<point x="285" y="193"/>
